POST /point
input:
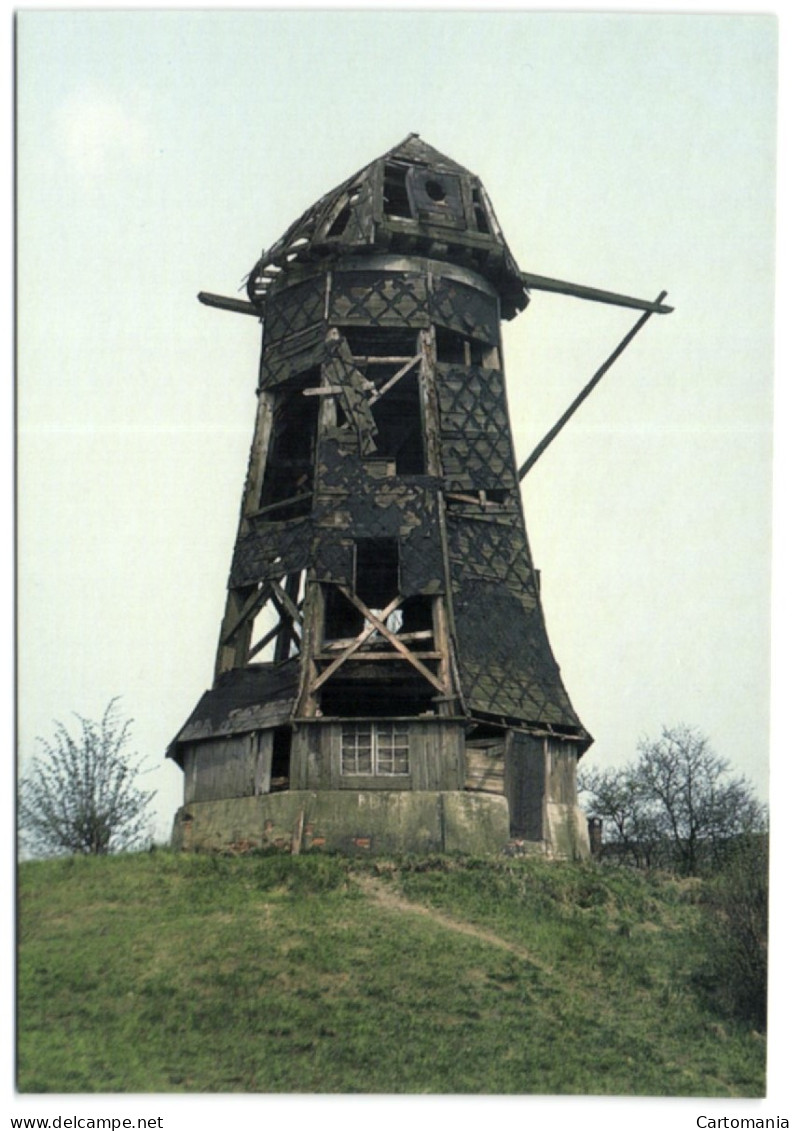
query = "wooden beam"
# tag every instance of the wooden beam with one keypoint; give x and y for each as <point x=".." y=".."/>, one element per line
<point x="558" y="286"/>
<point x="442" y="642"/>
<point x="283" y="644"/>
<point x="286" y="602"/>
<point x="332" y="645"/>
<point x="367" y="656"/>
<point x="394" y="379"/>
<point x="222" y="302"/>
<point x="248" y="609"/>
<point x="265" y="640"/>
<point x="283" y="503"/>
<point x="378" y="359"/>
<point x="314" y="609"/>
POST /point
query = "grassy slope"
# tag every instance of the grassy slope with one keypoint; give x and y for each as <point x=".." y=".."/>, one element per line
<point x="164" y="973"/>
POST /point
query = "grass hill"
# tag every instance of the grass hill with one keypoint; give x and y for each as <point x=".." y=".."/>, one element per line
<point x="266" y="973"/>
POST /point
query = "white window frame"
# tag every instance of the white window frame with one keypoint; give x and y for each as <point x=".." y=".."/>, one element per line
<point x="374" y="750"/>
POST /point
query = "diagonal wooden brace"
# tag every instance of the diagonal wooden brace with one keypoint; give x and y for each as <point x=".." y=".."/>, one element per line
<point x="406" y="653"/>
<point x="284" y="603"/>
<point x="261" y="644"/>
<point x="394" y="379"/>
<point x="248" y="610"/>
<point x="586" y="390"/>
<point x="355" y="645"/>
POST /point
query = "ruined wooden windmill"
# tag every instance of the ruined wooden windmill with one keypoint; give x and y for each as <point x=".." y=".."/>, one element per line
<point x="383" y="677"/>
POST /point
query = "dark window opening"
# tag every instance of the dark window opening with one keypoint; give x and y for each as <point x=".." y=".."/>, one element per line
<point x="450" y="347"/>
<point x="342" y="218"/>
<point x="366" y="341"/>
<point x="380" y="354"/>
<point x="481" y="221"/>
<point x="340" y="223"/>
<point x="281" y="759"/>
<point x="289" y="473"/>
<point x="435" y="189"/>
<point x="398" y="417"/>
<point x="484" y="734"/>
<point x="418" y="619"/>
<point x="377" y="571"/>
<point x="377" y="581"/>
<point x="343" y="621"/>
<point x="396" y="202"/>
<point x="498" y="497"/>
<point x="453" y="348"/>
<point x="377" y="697"/>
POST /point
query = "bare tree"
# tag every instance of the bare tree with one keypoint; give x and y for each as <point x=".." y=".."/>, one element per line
<point x="81" y="794"/>
<point x="628" y="823"/>
<point x="677" y="804"/>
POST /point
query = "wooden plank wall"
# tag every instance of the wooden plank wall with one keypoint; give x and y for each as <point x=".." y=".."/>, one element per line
<point x="562" y="758"/>
<point x="436" y="759"/>
<point x="237" y="766"/>
<point x="486" y="768"/>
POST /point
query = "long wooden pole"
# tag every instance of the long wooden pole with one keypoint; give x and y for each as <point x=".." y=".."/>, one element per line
<point x="584" y="393"/>
<point x="594" y="294"/>
<point x="236" y="305"/>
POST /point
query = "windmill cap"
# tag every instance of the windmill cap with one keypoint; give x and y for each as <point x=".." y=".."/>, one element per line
<point x="413" y="200"/>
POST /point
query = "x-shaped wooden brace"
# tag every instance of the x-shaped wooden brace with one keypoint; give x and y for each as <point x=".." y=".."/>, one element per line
<point x="286" y="608"/>
<point x="375" y="621"/>
<point x="288" y="613"/>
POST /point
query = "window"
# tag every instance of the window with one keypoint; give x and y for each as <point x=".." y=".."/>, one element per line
<point x="478" y="208"/>
<point x="453" y="348"/>
<point x="370" y="749"/>
<point x="289" y="474"/>
<point x="398" y="418"/>
<point x="377" y="581"/>
<point x="380" y="355"/>
<point x="377" y="570"/>
<point x="395" y="191"/>
<point x="281" y="758"/>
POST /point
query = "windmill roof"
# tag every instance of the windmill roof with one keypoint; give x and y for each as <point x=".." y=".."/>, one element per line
<point x="412" y="200"/>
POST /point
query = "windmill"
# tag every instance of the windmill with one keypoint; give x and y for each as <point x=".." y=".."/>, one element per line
<point x="383" y="677"/>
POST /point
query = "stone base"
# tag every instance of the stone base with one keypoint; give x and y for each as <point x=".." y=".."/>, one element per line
<point x="372" y="823"/>
<point x="567" y="832"/>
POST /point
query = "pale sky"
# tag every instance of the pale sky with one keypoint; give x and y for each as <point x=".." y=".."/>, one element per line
<point x="158" y="153"/>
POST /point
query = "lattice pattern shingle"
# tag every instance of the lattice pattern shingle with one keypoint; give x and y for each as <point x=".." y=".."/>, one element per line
<point x="464" y="309"/>
<point x="278" y="549"/>
<point x="298" y="355"/>
<point x="476" y="437"/>
<point x="492" y="550"/>
<point x="378" y="298"/>
<point x="294" y="309"/>
<point x="505" y="662"/>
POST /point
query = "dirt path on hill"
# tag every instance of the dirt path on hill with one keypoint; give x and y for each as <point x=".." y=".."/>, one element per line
<point x="392" y="901"/>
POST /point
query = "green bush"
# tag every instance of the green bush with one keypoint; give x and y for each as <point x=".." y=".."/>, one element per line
<point x="737" y="904"/>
